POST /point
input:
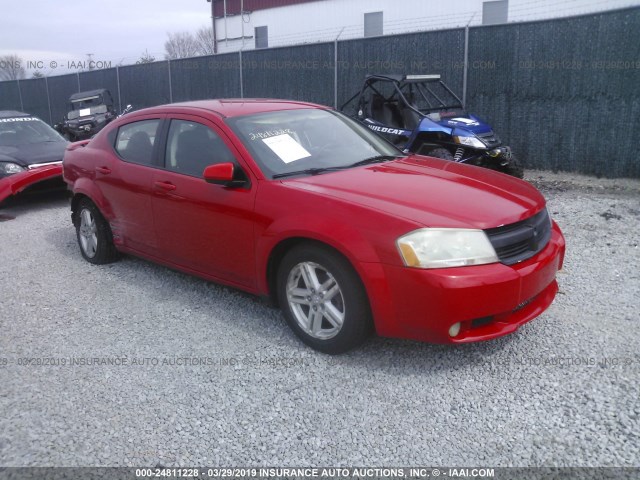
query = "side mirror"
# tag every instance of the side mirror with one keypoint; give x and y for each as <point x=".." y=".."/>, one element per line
<point x="219" y="174"/>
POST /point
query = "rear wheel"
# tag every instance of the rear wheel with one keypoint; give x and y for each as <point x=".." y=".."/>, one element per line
<point x="94" y="234"/>
<point x="323" y="299"/>
<point x="441" y="153"/>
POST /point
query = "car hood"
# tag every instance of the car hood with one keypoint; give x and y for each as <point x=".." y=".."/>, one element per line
<point x="31" y="153"/>
<point x="431" y="192"/>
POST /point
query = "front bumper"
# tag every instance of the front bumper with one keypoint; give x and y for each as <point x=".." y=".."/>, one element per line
<point x="488" y="300"/>
<point x="499" y="156"/>
<point x="16" y="183"/>
<point x="82" y="132"/>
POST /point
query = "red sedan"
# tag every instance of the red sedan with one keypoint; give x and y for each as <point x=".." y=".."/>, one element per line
<point x="302" y="205"/>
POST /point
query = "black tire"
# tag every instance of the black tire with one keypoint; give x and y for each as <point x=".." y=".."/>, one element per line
<point x="94" y="234"/>
<point x="513" y="168"/>
<point x="349" y="302"/>
<point x="441" y="153"/>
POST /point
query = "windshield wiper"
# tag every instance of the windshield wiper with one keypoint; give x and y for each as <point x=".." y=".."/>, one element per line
<point x="318" y="170"/>
<point x="310" y="171"/>
<point x="376" y="159"/>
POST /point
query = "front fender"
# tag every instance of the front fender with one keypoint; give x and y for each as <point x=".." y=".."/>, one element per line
<point x="345" y="239"/>
<point x="339" y="235"/>
<point x="17" y="182"/>
<point x="429" y="127"/>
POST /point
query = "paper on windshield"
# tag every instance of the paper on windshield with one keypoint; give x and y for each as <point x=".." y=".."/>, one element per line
<point x="84" y="112"/>
<point x="285" y="147"/>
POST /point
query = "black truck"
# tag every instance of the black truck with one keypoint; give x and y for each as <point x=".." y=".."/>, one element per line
<point x="88" y="113"/>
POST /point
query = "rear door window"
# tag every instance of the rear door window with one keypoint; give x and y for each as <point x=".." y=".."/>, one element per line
<point x="136" y="141"/>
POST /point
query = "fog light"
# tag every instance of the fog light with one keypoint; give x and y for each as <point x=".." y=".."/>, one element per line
<point x="454" y="329"/>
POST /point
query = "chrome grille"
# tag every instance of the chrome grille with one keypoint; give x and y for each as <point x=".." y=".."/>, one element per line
<point x="522" y="240"/>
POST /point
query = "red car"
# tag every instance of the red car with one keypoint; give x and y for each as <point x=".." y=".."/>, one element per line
<point x="306" y="207"/>
<point x="30" y="154"/>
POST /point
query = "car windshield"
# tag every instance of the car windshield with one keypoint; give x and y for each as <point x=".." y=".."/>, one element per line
<point x="84" y="111"/>
<point x="26" y="130"/>
<point x="308" y="141"/>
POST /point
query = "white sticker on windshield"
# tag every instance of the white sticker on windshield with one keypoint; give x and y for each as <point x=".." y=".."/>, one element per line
<point x="286" y="148"/>
<point x="85" y="111"/>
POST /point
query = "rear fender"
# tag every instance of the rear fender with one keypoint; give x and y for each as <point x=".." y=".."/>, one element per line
<point x="76" y="145"/>
<point x="86" y="187"/>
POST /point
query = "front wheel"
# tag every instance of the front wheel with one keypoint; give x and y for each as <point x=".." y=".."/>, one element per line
<point x="94" y="234"/>
<point x="441" y="153"/>
<point x="513" y="168"/>
<point x="323" y="299"/>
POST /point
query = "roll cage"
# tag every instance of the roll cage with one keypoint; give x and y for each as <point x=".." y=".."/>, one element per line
<point x="401" y="100"/>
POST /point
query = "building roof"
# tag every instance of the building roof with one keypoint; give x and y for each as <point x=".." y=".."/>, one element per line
<point x="233" y="6"/>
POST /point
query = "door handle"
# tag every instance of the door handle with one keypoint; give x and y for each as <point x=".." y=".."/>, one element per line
<point x="103" y="170"/>
<point x="166" y="186"/>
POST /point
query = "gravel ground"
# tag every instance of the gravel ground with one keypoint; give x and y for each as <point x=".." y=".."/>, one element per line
<point x="563" y="391"/>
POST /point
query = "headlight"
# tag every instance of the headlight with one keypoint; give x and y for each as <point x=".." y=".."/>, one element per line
<point x="445" y="247"/>
<point x="472" y="142"/>
<point x="8" y="168"/>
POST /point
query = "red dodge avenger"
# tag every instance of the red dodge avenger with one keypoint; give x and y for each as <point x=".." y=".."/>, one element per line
<point x="304" y="206"/>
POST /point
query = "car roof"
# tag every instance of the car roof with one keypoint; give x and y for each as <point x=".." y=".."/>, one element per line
<point x="236" y="107"/>
<point x="87" y="93"/>
<point x="13" y="114"/>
